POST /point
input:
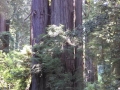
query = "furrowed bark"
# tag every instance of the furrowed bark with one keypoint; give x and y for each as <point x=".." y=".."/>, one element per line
<point x="79" y="61"/>
<point x="39" y="21"/>
<point x="62" y="13"/>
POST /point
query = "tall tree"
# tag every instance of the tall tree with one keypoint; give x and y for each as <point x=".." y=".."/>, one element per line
<point x="62" y="12"/>
<point x="39" y="12"/>
<point x="67" y="13"/>
<point x="78" y="24"/>
<point x="4" y="27"/>
<point x="2" y="22"/>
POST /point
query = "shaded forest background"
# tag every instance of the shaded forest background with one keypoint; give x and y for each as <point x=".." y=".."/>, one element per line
<point x="59" y="44"/>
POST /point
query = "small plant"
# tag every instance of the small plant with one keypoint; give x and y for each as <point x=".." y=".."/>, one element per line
<point x="15" y="69"/>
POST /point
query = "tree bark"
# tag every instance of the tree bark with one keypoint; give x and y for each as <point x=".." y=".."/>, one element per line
<point x="6" y="37"/>
<point x="39" y="19"/>
<point x="2" y="23"/>
<point x="69" y="13"/>
<point x="79" y="61"/>
<point x="4" y="26"/>
<point x="62" y="13"/>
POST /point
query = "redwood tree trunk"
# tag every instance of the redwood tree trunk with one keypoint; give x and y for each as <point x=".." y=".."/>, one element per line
<point x="6" y="37"/>
<point x="79" y="61"/>
<point x="62" y="13"/>
<point x="2" y="23"/>
<point x="4" y="26"/>
<point x="39" y="19"/>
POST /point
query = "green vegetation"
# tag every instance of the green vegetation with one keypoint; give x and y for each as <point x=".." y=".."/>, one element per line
<point x="57" y="49"/>
<point x="55" y="59"/>
<point x="15" y="69"/>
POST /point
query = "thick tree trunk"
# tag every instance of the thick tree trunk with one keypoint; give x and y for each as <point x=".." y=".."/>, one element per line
<point x="4" y="26"/>
<point x="39" y="19"/>
<point x="39" y="12"/>
<point x="62" y="13"/>
<point x="6" y="37"/>
<point x="79" y="61"/>
<point x="2" y="23"/>
<point x="78" y="13"/>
